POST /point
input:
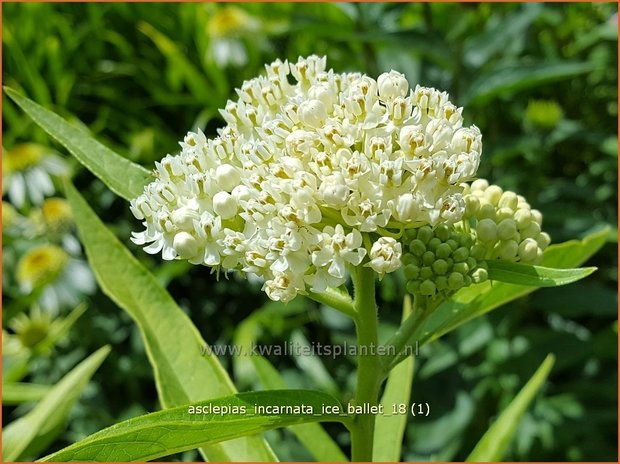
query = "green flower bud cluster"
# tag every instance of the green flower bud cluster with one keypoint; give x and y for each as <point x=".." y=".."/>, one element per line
<point x="505" y="225"/>
<point x="441" y="260"/>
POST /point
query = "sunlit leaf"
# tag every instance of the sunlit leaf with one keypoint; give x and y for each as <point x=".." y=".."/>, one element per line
<point x="122" y="176"/>
<point x="52" y="411"/>
<point x="182" y="373"/>
<point x="175" y="430"/>
<point x="494" y="443"/>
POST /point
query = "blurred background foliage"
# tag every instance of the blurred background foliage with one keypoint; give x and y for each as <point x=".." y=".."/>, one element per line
<point x="540" y="80"/>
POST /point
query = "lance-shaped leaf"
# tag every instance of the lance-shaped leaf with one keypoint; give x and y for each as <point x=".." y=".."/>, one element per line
<point x="173" y="344"/>
<point x="390" y="428"/>
<point x="187" y="427"/>
<point x="123" y="177"/>
<point x="494" y="443"/>
<point x="52" y="411"/>
<point x="312" y="436"/>
<point x="535" y="276"/>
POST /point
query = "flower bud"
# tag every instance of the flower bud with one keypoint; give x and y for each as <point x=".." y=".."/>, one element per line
<point x="461" y="268"/>
<point x="411" y="272"/>
<point x="487" y="230"/>
<point x="455" y="281"/>
<point x="227" y="177"/>
<point x="523" y="217"/>
<point x="440" y="267"/>
<point x="460" y="254"/>
<point x="506" y="229"/>
<point x="480" y="275"/>
<point x="428" y="288"/>
<point x="406" y="208"/>
<point x="241" y="192"/>
<point x="443" y="251"/>
<point x="428" y="258"/>
<point x="508" y="200"/>
<point x="185" y="245"/>
<point x="392" y="85"/>
<point x="224" y="205"/>
<point x="426" y="273"/>
<point x="425" y="234"/>
<point x="543" y="240"/>
<point x="528" y="249"/>
<point x="313" y="113"/>
<point x="493" y="193"/>
<point x="417" y="247"/>
<point x="479" y="184"/>
<point x="508" y="250"/>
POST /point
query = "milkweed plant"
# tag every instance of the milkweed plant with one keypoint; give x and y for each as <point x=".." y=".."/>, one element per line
<point x="319" y="179"/>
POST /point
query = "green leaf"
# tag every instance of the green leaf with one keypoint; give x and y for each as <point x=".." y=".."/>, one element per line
<point x="182" y="373"/>
<point x="390" y="428"/>
<point x="494" y="443"/>
<point x="19" y="392"/>
<point x="535" y="276"/>
<point x="479" y="299"/>
<point x="476" y="300"/>
<point x="519" y="77"/>
<point x="122" y="176"/>
<point x="51" y="412"/>
<point x="176" y="430"/>
<point x="312" y="436"/>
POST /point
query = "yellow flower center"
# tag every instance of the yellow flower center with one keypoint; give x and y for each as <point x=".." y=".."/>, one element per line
<point x="21" y="157"/>
<point x="41" y="265"/>
<point x="228" y="21"/>
<point x="56" y="213"/>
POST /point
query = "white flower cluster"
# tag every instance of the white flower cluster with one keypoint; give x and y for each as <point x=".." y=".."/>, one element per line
<point x="310" y="169"/>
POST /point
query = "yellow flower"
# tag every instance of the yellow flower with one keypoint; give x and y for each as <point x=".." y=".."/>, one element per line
<point x="544" y="114"/>
<point x="30" y="331"/>
<point x="21" y="157"/>
<point x="40" y="266"/>
<point x="56" y="214"/>
<point x="229" y="21"/>
<point x="9" y="214"/>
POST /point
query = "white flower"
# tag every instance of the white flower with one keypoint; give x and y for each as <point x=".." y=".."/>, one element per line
<point x="385" y="255"/>
<point x="334" y="251"/>
<point x="311" y="165"/>
<point x="27" y="172"/>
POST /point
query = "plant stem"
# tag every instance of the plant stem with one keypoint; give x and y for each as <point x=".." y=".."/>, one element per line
<point x="335" y="299"/>
<point x="368" y="363"/>
<point x="401" y="339"/>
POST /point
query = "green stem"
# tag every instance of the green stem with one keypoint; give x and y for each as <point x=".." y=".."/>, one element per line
<point x="368" y="363"/>
<point x="402" y="337"/>
<point x="340" y="301"/>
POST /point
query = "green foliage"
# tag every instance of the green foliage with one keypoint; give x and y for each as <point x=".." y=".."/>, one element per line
<point x="182" y="373"/>
<point x="494" y="444"/>
<point x="174" y="430"/>
<point x="28" y="435"/>
<point x="140" y="75"/>
<point x="124" y="178"/>
<point x="390" y="428"/>
<point x="535" y="276"/>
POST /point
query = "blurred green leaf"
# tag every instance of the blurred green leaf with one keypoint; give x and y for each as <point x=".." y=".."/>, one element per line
<point x="493" y="445"/>
<point x="123" y="177"/>
<point x="504" y="80"/>
<point x="175" y="430"/>
<point x="535" y="276"/>
<point x="182" y="373"/>
<point x="52" y="411"/>
<point x="312" y="436"/>
<point x="390" y="428"/>
<point x="19" y="392"/>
